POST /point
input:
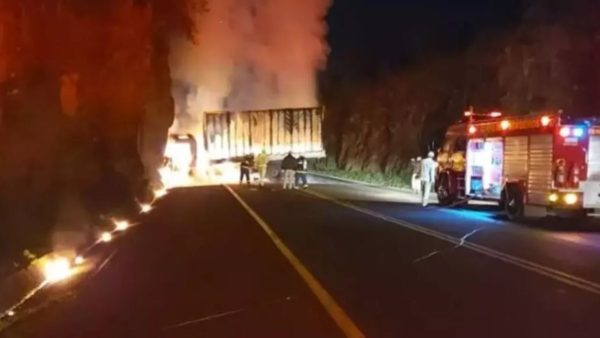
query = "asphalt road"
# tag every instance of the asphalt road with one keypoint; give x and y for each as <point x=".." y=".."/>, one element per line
<point x="201" y="266"/>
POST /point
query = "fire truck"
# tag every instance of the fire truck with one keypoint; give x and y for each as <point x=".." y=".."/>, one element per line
<point x="532" y="165"/>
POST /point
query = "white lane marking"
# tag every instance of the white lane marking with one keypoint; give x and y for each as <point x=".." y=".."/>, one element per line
<point x="462" y="242"/>
<point x="464" y="238"/>
<point x="105" y="262"/>
<point x="339" y="316"/>
<point x="221" y="315"/>
<point x="205" y="319"/>
<point x="540" y="269"/>
<point x="429" y="255"/>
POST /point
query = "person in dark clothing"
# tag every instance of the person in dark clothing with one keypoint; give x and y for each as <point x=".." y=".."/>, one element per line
<point x="288" y="166"/>
<point x="301" y="167"/>
<point x="245" y="168"/>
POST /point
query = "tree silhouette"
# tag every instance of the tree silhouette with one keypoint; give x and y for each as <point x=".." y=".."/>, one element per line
<point x="78" y="81"/>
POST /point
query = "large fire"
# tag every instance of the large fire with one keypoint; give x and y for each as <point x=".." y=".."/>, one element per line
<point x="247" y="55"/>
<point x="185" y="168"/>
<point x="179" y="164"/>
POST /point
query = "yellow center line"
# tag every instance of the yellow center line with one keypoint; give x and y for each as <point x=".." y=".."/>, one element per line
<point x="563" y="277"/>
<point x="339" y="316"/>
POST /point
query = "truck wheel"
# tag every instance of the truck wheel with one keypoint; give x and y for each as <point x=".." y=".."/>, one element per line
<point x="513" y="202"/>
<point x="276" y="175"/>
<point x="443" y="191"/>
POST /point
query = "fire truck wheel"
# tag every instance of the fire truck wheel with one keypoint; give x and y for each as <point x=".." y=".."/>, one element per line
<point x="501" y="204"/>
<point x="513" y="202"/>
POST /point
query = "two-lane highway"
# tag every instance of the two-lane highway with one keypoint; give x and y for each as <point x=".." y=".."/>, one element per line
<point x="335" y="260"/>
<point x="198" y="266"/>
<point x="403" y="271"/>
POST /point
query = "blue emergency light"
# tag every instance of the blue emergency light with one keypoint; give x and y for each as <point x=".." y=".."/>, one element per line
<point x="572" y="132"/>
<point x="578" y="131"/>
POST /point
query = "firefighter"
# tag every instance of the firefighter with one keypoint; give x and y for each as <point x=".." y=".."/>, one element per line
<point x="428" y="171"/>
<point x="288" y="166"/>
<point x="301" y="167"/>
<point x="443" y="158"/>
<point x="262" y="161"/>
<point x="245" y="169"/>
<point x="458" y="161"/>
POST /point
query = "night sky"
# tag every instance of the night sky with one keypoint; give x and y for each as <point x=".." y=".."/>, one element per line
<point x="370" y="38"/>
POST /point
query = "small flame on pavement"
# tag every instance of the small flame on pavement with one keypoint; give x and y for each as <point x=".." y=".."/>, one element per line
<point x="58" y="269"/>
<point x="106" y="237"/>
<point x="145" y="208"/>
<point x="121" y="225"/>
<point x="160" y="193"/>
<point x="79" y="260"/>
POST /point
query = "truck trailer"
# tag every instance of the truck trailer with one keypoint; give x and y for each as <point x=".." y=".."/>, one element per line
<point x="233" y="135"/>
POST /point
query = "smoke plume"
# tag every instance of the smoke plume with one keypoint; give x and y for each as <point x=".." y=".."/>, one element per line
<point x="250" y="54"/>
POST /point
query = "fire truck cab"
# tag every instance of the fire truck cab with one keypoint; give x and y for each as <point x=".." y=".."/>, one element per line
<point x="532" y="165"/>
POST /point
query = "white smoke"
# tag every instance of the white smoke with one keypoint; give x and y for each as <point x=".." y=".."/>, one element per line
<point x="250" y="54"/>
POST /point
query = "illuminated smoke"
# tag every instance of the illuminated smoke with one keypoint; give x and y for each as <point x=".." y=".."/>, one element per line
<point x="250" y="54"/>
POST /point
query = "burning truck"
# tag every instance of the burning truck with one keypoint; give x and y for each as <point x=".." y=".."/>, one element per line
<point x="227" y="137"/>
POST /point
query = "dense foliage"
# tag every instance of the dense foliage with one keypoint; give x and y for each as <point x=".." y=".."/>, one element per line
<point x="78" y="80"/>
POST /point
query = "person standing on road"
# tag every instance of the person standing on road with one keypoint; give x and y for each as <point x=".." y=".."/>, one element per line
<point x="415" y="165"/>
<point x="245" y="168"/>
<point x="301" y="167"/>
<point x="288" y="166"/>
<point x="428" y="170"/>
<point x="262" y="161"/>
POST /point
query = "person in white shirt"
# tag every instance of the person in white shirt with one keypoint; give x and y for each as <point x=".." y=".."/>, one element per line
<point x="428" y="170"/>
